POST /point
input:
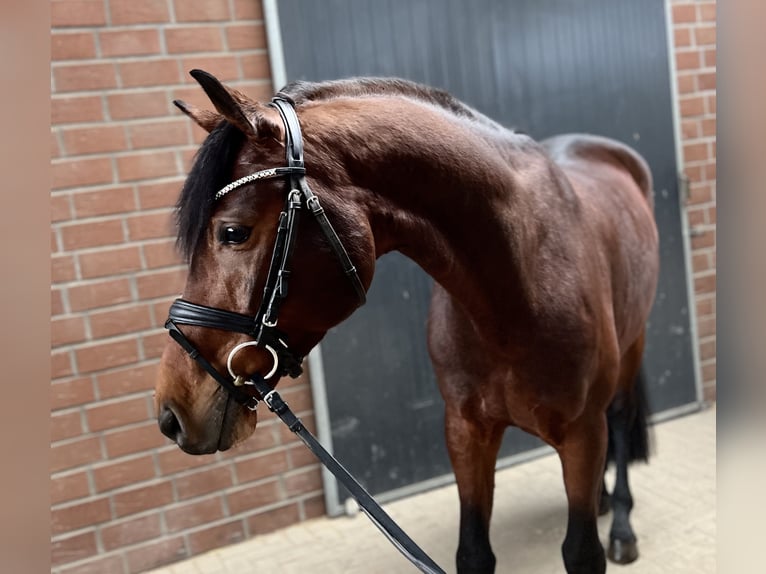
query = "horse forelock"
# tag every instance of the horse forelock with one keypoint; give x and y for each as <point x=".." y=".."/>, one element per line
<point x="211" y="170"/>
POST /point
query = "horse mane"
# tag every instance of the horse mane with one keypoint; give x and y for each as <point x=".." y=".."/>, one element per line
<point x="210" y="171"/>
<point x="301" y="92"/>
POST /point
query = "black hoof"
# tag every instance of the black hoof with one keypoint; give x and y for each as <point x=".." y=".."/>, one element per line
<point x="621" y="552"/>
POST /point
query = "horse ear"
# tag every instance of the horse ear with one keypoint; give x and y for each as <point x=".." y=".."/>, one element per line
<point x="238" y="109"/>
<point x="205" y="119"/>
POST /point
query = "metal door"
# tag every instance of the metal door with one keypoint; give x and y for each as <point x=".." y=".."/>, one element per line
<point x="543" y="66"/>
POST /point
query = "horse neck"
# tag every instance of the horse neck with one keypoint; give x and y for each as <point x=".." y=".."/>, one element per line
<point x="444" y="192"/>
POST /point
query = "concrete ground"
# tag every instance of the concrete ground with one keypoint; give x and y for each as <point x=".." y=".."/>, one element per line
<point x="674" y="518"/>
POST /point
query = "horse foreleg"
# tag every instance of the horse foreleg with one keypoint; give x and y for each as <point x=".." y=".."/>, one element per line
<point x="473" y="448"/>
<point x="582" y="454"/>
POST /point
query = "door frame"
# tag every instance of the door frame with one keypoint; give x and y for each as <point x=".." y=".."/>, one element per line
<point x="317" y="380"/>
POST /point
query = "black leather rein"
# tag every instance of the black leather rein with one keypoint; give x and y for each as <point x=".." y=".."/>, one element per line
<point x="262" y="327"/>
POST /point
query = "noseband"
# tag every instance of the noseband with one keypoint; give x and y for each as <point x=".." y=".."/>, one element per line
<point x="262" y="327"/>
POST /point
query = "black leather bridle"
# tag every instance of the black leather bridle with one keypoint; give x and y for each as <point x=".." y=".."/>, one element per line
<point x="262" y="327"/>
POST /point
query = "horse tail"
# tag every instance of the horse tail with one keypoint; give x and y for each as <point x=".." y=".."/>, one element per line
<point x="637" y="414"/>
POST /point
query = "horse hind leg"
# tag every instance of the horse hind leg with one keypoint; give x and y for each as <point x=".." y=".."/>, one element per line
<point x="628" y="441"/>
<point x="473" y="446"/>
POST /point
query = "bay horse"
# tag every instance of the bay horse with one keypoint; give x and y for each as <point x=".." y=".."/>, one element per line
<point x="545" y="258"/>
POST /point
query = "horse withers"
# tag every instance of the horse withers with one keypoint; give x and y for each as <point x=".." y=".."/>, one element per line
<point x="544" y="256"/>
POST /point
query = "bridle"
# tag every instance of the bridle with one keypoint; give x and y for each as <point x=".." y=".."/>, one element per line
<point x="262" y="327"/>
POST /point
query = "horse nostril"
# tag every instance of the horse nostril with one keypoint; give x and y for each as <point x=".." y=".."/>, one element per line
<point x="169" y="424"/>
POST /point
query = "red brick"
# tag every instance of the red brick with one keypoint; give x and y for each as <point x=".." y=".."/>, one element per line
<point x="246" y="37"/>
<point x="80" y="172"/>
<point x="164" y="194"/>
<point x="706" y="81"/>
<point x="705" y="284"/>
<point x="706" y="326"/>
<point x="255" y="66"/>
<point x="118" y="321"/>
<point x="705" y="35"/>
<point x="154" y="554"/>
<point x="146" y="165"/>
<point x="106" y="201"/>
<point x="194" y="11"/>
<point x="191" y="39"/>
<point x="694" y="106"/>
<point x="77" y="13"/>
<point x="709" y="57"/>
<point x="299" y="456"/>
<point x="173" y="460"/>
<point x="150" y="225"/>
<point x="122" y="473"/>
<point x="313" y="507"/>
<point x="216" y="536"/>
<point x="72" y="548"/>
<point x="203" y="482"/>
<point x="91" y="234"/>
<point x="707" y="350"/>
<point x="69" y="486"/>
<point x="62" y="268"/>
<point x="708" y="127"/>
<point x="130" y="42"/>
<point x="71" y="392"/>
<point x="101" y="356"/>
<point x="303" y="482"/>
<point x="682" y="37"/>
<point x="72" y="46"/>
<point x="265" y="522"/>
<point x="700" y="194"/>
<point x="684" y="13"/>
<point x="55" y="147"/>
<point x="131" y="531"/>
<point x="138" y="11"/>
<point x="261" y="466"/>
<point x="110" y="262"/>
<point x="61" y="364"/>
<point x="69" y="109"/>
<point x="128" y="380"/>
<point x="695" y="152"/>
<point x="159" y="134"/>
<point x="57" y="303"/>
<point x="60" y="207"/>
<point x="705" y="306"/>
<point x="253" y="497"/>
<point x="79" y="77"/>
<point x="99" y="294"/>
<point x="710" y="172"/>
<point x="700" y="262"/>
<point x="135" y="439"/>
<point x="105" y="416"/>
<point x="707" y="11"/>
<point x="708" y="372"/>
<point x="247" y="10"/>
<point x="141" y="104"/>
<point x="161" y="254"/>
<point x="149" y="73"/>
<point x="70" y="454"/>
<point x="67" y="330"/>
<point x="65" y="425"/>
<point x="694" y="173"/>
<point x="266" y="436"/>
<point x="154" y="344"/>
<point x="94" y="139"/>
<point x="160" y="283"/>
<point x="160" y="309"/>
<point x="77" y="516"/>
<point x="687" y="60"/>
<point x="712" y="214"/>
<point x="143" y="498"/>
<point x="690" y="129"/>
<point x="225" y="66"/>
<point x="103" y="565"/>
<point x="687" y="83"/>
<point x="194" y="514"/>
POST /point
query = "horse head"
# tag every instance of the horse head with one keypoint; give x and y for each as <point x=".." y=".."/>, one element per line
<point x="229" y="230"/>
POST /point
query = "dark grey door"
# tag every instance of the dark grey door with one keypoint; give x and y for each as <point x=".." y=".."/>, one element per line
<point x="543" y="66"/>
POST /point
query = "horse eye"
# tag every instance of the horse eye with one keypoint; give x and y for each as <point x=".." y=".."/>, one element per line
<point x="234" y="234"/>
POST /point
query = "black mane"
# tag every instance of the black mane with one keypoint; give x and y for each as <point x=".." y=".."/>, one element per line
<point x="211" y="171"/>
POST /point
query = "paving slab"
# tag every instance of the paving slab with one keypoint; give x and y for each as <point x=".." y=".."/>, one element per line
<point x="674" y="518"/>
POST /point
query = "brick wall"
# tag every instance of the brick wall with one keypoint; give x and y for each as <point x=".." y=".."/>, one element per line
<point x="124" y="499"/>
<point x="694" y="33"/>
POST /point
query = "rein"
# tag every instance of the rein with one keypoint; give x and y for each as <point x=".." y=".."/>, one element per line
<point x="262" y="327"/>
